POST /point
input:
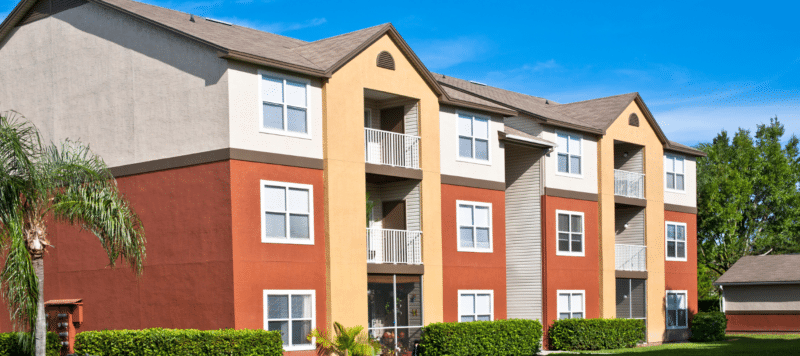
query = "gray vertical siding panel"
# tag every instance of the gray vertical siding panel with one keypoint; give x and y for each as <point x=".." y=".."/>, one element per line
<point x="634" y="234"/>
<point x="411" y="115"/>
<point x="523" y="232"/>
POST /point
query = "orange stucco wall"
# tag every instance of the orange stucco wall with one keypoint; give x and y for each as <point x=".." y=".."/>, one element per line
<point x="570" y="272"/>
<point x="473" y="270"/>
<point x="680" y="275"/>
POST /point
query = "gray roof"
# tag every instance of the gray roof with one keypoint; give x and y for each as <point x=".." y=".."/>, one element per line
<point x="597" y="113"/>
<point x="763" y="269"/>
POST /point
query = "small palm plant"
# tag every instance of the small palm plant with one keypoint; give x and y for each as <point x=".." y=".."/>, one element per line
<point x="345" y="341"/>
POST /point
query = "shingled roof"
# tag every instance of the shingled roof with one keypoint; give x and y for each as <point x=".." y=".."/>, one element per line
<point x="778" y="269"/>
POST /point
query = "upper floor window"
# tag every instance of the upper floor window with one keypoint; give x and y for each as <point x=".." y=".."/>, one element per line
<point x="570" y="304"/>
<point x="570" y="233"/>
<point x="284" y="106"/>
<point x="474" y="227"/>
<point x="674" y="168"/>
<point x="475" y="305"/>
<point x="676" y="241"/>
<point x="677" y="313"/>
<point x="569" y="153"/>
<point x="473" y="137"/>
<point x="291" y="312"/>
<point x="287" y="213"/>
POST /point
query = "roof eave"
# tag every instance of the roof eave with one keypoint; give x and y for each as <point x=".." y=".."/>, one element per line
<point x="15" y="17"/>
<point x="249" y="58"/>
<point x="525" y="141"/>
<point x="753" y="283"/>
<point x="461" y="103"/>
<point x="688" y="151"/>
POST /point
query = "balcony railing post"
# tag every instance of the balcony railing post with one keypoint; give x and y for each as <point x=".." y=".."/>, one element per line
<point x="394" y="246"/>
<point x="631" y="257"/>
<point x="391" y="148"/>
<point x="628" y="184"/>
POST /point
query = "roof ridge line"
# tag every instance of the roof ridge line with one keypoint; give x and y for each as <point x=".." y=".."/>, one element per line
<point x="343" y="34"/>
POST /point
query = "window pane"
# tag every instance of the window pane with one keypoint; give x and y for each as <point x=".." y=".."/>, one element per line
<point x="275" y="224"/>
<point x="274" y="198"/>
<point x="484" y="318"/>
<point x="273" y="116"/>
<point x="272" y="90"/>
<point x="563" y="242"/>
<point x="563" y="222"/>
<point x="296" y="94"/>
<point x="301" y="307"/>
<point x="466" y="304"/>
<point x="680" y="300"/>
<point x="464" y="125"/>
<point x="467" y="318"/>
<point x="671" y="301"/>
<point x="561" y="142"/>
<point x="283" y="327"/>
<point x="300" y="331"/>
<point x="465" y="215"/>
<point x="296" y="120"/>
<point x="481" y="216"/>
<point x="577" y="315"/>
<point x="563" y="302"/>
<point x="669" y="164"/>
<point x="682" y="249"/>
<point x="575" y="145"/>
<point x="278" y="307"/>
<point x="563" y="315"/>
<point x="562" y="163"/>
<point x="483" y="304"/>
<point x="576" y="304"/>
<point x="482" y="238"/>
<point x="679" y="181"/>
<point x="298" y="226"/>
<point x="678" y="165"/>
<point x="480" y="128"/>
<point x="466" y="237"/>
<point x="671" y="180"/>
<point x="670" y="232"/>
<point x="577" y="243"/>
<point x="481" y="149"/>
<point x="298" y="200"/>
<point x="671" y="249"/>
<point x="681" y="232"/>
<point x="465" y="147"/>
<point x="576" y="224"/>
<point x="682" y="317"/>
<point x="575" y="165"/>
<point x="671" y="316"/>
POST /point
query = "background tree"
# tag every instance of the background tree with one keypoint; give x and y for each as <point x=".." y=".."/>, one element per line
<point x="40" y="184"/>
<point x="748" y="197"/>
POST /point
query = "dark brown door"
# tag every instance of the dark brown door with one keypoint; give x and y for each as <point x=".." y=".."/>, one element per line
<point x="394" y="215"/>
<point x="392" y="119"/>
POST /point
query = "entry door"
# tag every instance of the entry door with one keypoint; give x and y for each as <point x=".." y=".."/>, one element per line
<point x="392" y="119"/>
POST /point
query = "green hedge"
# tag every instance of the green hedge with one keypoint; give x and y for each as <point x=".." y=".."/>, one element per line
<point x="9" y="345"/>
<point x="596" y="334"/>
<point x="709" y="326"/>
<point x="500" y="337"/>
<point x="173" y="342"/>
<point x="708" y="305"/>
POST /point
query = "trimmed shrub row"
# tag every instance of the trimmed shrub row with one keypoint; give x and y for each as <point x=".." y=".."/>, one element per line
<point x="500" y="337"/>
<point x="596" y="334"/>
<point x="174" y="342"/>
<point x="10" y="345"/>
<point x="709" y="326"/>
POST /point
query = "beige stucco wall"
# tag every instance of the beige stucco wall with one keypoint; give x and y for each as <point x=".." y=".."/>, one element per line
<point x="587" y="182"/>
<point x="689" y="196"/>
<point x="245" y="114"/>
<point x="452" y="164"/>
<point x="763" y="298"/>
<point x="133" y="92"/>
<point x="343" y="147"/>
<point x="654" y="218"/>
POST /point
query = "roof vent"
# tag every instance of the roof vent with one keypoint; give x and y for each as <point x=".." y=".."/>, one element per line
<point x="633" y="120"/>
<point x="477" y="83"/>
<point x="547" y="101"/>
<point x="385" y="60"/>
<point x="220" y="22"/>
<point x="191" y="18"/>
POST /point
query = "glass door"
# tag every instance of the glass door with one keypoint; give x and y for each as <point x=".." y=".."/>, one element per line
<point x="395" y="312"/>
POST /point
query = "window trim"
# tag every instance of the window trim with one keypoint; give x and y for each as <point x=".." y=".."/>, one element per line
<point x="685" y="241"/>
<point x="582" y="292"/>
<point x="487" y="162"/>
<point x="475" y="292"/>
<point x="458" y="228"/>
<point x="583" y="240"/>
<point x="290" y="293"/>
<point x="287" y="240"/>
<point x="284" y="77"/>
<point x="582" y="140"/>
<point x="666" y="309"/>
<point x="672" y="190"/>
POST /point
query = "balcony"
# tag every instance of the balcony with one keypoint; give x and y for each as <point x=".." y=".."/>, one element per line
<point x="391" y="148"/>
<point x="628" y="184"/>
<point x="394" y="246"/>
<point x="631" y="257"/>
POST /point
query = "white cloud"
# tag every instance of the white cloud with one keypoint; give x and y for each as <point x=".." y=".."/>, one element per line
<point x="281" y="27"/>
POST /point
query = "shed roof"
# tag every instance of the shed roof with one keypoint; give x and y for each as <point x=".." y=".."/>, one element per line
<point x="777" y="269"/>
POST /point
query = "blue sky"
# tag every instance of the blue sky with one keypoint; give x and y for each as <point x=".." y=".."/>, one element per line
<point x="700" y="66"/>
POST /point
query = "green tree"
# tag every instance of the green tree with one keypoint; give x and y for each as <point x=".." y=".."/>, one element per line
<point x="63" y="183"/>
<point x="747" y="196"/>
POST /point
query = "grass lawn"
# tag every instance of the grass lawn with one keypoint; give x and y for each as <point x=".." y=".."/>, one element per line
<point x="736" y="344"/>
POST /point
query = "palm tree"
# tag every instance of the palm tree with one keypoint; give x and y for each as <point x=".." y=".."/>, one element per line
<point x="63" y="183"/>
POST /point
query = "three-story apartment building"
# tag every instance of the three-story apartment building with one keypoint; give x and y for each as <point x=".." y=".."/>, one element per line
<point x="287" y="184"/>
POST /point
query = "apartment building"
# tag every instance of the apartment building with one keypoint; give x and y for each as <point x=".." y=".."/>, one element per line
<point x="286" y="184"/>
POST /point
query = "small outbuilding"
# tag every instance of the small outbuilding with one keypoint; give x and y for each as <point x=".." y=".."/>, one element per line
<point x="762" y="294"/>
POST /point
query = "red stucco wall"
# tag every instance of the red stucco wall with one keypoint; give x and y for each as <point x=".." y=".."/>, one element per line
<point x="681" y="275"/>
<point x="763" y="323"/>
<point x="473" y="270"/>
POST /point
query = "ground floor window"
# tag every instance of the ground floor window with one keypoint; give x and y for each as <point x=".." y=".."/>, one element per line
<point x="571" y="304"/>
<point x="631" y="299"/>
<point x="475" y="305"/>
<point x="677" y="313"/>
<point x="291" y="312"/>
<point x="395" y="312"/>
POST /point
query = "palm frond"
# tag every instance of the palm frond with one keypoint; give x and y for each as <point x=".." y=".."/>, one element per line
<point x="20" y="287"/>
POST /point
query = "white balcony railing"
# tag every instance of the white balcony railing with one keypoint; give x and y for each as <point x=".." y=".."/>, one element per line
<point x="391" y="148"/>
<point x="394" y="246"/>
<point x="628" y="184"/>
<point x="631" y="257"/>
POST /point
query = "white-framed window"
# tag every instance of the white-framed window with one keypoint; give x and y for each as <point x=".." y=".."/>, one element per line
<point x="570" y="153"/>
<point x="571" y="236"/>
<point x="284" y="105"/>
<point x="677" y="312"/>
<point x="674" y="170"/>
<point x="474" y="226"/>
<point x="293" y="313"/>
<point x="571" y="304"/>
<point x="287" y="213"/>
<point x="676" y="241"/>
<point x="473" y="137"/>
<point x="475" y="305"/>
